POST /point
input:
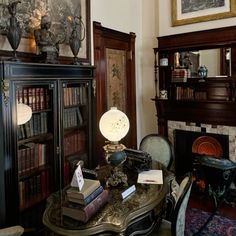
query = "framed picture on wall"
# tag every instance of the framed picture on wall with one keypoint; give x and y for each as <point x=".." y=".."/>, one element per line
<point x="63" y="14"/>
<point x="192" y="11"/>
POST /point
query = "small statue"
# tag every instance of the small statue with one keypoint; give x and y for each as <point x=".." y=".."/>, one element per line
<point x="77" y="36"/>
<point x="202" y="73"/>
<point x="13" y="29"/>
<point x="185" y="60"/>
<point x="46" y="42"/>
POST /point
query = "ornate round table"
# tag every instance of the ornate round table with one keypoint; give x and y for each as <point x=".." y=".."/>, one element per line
<point x="138" y="213"/>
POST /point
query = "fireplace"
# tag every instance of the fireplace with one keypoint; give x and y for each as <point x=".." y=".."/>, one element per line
<point x="188" y="143"/>
<point x="191" y="139"/>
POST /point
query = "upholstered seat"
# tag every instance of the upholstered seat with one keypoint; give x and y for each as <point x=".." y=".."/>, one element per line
<point x="159" y="147"/>
<point x="176" y="226"/>
<point x="161" y="150"/>
<point x="12" y="231"/>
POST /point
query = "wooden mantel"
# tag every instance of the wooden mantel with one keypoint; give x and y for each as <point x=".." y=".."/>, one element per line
<point x="207" y="112"/>
<point x="219" y="108"/>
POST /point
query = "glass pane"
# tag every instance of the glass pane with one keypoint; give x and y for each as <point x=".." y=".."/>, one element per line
<point x="76" y="127"/>
<point x="35" y="146"/>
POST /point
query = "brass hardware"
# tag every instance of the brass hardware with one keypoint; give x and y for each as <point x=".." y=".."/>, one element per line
<point x="94" y="87"/>
<point x="58" y="151"/>
<point x="5" y="88"/>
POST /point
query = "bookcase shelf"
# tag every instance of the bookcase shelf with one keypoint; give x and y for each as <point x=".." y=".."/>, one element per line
<point x="40" y="155"/>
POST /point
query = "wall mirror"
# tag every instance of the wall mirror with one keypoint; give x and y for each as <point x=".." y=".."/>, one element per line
<point x="217" y="61"/>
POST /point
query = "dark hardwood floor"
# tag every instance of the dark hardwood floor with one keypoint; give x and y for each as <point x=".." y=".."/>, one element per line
<point x="205" y="203"/>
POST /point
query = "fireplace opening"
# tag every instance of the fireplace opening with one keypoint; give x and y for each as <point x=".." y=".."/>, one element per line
<point x="189" y="143"/>
<point x="204" y="146"/>
<point x="192" y="149"/>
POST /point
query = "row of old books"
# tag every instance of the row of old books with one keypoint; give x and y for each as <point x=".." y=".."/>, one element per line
<point x="37" y="125"/>
<point x="184" y="93"/>
<point x="34" y="189"/>
<point x="180" y="75"/>
<point x="75" y="96"/>
<point x="72" y="117"/>
<point x="31" y="156"/>
<point x="188" y="93"/>
<point x="74" y="143"/>
<point x="36" y="98"/>
<point x="82" y="205"/>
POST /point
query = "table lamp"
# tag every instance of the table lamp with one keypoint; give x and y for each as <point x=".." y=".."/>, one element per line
<point x="114" y="125"/>
<point x="24" y="113"/>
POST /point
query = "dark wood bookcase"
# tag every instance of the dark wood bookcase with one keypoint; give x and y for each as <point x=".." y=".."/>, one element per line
<point x="38" y="157"/>
<point x="211" y="101"/>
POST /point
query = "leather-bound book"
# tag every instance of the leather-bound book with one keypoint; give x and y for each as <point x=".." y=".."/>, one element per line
<point x="84" y="213"/>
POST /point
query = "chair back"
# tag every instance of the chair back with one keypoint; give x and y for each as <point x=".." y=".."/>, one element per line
<point x="159" y="147"/>
<point x="178" y="218"/>
<point x="16" y="230"/>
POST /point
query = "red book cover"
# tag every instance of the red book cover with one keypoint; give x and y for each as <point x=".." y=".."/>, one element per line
<point x="30" y="97"/>
<point x="83" y="214"/>
<point x="37" y="99"/>
<point x="33" y="91"/>
<point x="41" y="99"/>
<point x="25" y="96"/>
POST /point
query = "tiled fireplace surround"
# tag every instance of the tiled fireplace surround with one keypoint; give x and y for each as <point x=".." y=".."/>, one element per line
<point x="208" y="128"/>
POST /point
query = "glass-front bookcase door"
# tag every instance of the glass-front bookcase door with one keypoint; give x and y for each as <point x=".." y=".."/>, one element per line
<point x="36" y="147"/>
<point x="77" y="125"/>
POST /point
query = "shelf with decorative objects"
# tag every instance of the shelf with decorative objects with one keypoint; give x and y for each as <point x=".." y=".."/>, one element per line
<point x="193" y="92"/>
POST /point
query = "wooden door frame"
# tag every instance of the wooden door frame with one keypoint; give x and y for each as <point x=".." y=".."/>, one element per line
<point x="108" y="38"/>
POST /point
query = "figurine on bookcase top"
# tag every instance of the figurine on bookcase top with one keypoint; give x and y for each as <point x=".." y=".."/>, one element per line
<point x="77" y="36"/>
<point x="47" y="46"/>
<point x="13" y="28"/>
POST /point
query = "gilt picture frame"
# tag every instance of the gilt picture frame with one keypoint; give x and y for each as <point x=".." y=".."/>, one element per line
<point x="29" y="13"/>
<point x="190" y="11"/>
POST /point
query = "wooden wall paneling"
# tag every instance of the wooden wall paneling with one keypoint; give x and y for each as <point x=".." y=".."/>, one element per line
<point x="105" y="38"/>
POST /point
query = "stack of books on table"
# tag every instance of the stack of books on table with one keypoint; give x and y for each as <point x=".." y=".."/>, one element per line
<point x="82" y="205"/>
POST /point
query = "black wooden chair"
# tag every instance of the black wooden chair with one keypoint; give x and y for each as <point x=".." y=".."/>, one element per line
<point x="161" y="150"/>
<point x="16" y="230"/>
<point x="176" y="226"/>
<point x="159" y="147"/>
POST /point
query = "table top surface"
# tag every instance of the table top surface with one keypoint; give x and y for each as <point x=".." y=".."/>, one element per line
<point x="115" y="216"/>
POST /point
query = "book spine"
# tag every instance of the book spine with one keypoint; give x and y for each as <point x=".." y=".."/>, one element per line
<point x="93" y="195"/>
<point x="94" y="206"/>
<point x="88" y="199"/>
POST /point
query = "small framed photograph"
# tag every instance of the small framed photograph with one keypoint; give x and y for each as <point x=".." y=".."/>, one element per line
<point x="194" y="11"/>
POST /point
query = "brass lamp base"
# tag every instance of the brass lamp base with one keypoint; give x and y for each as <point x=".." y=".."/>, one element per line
<point x="115" y="157"/>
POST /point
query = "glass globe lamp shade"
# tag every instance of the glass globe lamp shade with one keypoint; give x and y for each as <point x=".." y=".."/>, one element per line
<point x="24" y="113"/>
<point x="114" y="125"/>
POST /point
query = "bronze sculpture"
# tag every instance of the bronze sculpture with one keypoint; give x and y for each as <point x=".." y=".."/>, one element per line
<point x="48" y="47"/>
<point x="13" y="30"/>
<point x="77" y="36"/>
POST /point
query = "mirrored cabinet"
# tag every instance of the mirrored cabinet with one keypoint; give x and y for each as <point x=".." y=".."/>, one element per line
<point x="38" y="157"/>
<point x="195" y="77"/>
